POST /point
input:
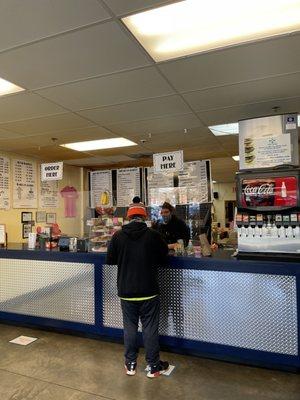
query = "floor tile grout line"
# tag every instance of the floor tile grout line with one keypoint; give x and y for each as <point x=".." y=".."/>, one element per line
<point x="57" y="384"/>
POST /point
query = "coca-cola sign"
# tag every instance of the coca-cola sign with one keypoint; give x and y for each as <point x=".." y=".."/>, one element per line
<point x="264" y="189"/>
<point x="269" y="192"/>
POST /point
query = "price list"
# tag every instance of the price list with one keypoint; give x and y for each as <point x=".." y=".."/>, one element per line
<point x="128" y="185"/>
<point x="194" y="178"/>
<point x="24" y="184"/>
<point x="4" y="183"/>
<point x="101" y="188"/>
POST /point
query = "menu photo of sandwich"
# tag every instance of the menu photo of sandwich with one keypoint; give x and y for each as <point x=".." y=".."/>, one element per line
<point x="249" y="150"/>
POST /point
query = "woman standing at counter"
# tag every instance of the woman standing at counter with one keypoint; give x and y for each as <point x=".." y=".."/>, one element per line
<point x="172" y="228"/>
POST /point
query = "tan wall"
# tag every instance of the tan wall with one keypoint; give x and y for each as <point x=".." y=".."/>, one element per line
<point x="73" y="176"/>
<point x="227" y="192"/>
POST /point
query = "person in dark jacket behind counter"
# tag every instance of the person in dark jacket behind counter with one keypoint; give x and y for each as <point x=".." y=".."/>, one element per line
<point x="137" y="251"/>
<point x="172" y="228"/>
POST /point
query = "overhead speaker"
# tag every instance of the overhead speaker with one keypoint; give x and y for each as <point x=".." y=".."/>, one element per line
<point x="216" y="195"/>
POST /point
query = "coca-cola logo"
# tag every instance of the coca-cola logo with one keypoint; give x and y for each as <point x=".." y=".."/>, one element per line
<point x="264" y="189"/>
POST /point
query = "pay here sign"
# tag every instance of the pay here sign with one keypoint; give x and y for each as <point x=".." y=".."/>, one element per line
<point x="164" y="162"/>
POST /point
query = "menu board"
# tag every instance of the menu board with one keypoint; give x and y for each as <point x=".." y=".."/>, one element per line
<point x="161" y="187"/>
<point x="24" y="184"/>
<point x="48" y="194"/>
<point x="160" y="180"/>
<point x="4" y="183"/>
<point x="101" y="188"/>
<point x="128" y="185"/>
<point x="193" y="182"/>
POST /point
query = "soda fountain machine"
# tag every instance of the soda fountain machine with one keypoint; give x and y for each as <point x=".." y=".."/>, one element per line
<point x="268" y="212"/>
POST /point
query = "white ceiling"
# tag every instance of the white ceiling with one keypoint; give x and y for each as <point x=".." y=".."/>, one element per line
<point x="86" y="77"/>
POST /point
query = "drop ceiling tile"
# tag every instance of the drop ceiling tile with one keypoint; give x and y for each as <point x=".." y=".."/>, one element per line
<point x="52" y="153"/>
<point x="121" y="7"/>
<point x="117" y="158"/>
<point x="77" y="135"/>
<point x="156" y="126"/>
<point x="138" y="110"/>
<point x="118" y="151"/>
<point x="26" y="105"/>
<point x="88" y="52"/>
<point x="248" y="92"/>
<point x="4" y="134"/>
<point x="32" y="20"/>
<point x="52" y="123"/>
<point x="87" y="161"/>
<point x="108" y="90"/>
<point x="236" y="64"/>
<point x="234" y="114"/>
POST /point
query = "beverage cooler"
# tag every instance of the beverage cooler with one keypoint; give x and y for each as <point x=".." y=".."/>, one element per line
<point x="268" y="212"/>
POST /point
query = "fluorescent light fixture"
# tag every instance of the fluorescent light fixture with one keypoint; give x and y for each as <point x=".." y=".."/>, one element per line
<point x="99" y="144"/>
<point x="7" y="87"/>
<point x="214" y="181"/>
<point x="236" y="158"/>
<point x="225" y="129"/>
<point x="193" y="26"/>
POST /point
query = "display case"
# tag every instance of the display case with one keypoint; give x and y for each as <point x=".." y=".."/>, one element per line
<point x="101" y="230"/>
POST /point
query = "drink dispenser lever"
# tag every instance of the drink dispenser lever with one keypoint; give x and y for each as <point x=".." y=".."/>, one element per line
<point x="278" y="223"/>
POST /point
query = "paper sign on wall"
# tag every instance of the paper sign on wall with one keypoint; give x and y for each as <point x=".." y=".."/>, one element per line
<point x="24" y="184"/>
<point x="172" y="161"/>
<point x="52" y="171"/>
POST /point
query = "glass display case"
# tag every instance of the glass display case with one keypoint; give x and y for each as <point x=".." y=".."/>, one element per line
<point x="101" y="230"/>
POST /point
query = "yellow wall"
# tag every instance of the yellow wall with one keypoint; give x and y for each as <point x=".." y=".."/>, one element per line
<point x="73" y="176"/>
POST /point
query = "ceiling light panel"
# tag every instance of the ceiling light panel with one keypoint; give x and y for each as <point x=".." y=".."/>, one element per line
<point x="102" y="144"/>
<point x="236" y="158"/>
<point x="225" y="129"/>
<point x="7" y="87"/>
<point x="194" y="26"/>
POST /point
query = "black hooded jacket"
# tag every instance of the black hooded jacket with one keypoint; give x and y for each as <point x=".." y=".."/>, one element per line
<point x="137" y="251"/>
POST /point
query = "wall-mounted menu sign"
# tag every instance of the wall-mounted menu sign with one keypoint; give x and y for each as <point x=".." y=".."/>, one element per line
<point x="193" y="184"/>
<point x="4" y="183"/>
<point x="194" y="179"/>
<point x="101" y="188"/>
<point x="159" y="180"/>
<point x="24" y="184"/>
<point x="52" y="171"/>
<point x="171" y="161"/>
<point x="48" y="194"/>
<point x="128" y="185"/>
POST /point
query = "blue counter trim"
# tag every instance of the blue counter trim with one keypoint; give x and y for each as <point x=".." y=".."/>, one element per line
<point x="205" y="263"/>
<point x="212" y="350"/>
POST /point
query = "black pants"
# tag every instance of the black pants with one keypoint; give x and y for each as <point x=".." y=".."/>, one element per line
<point x="148" y="312"/>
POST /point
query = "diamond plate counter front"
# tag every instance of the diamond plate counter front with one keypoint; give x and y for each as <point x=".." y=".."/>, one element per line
<point x="247" y="310"/>
<point x="50" y="289"/>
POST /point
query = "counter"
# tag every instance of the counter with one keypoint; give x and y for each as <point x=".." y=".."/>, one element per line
<point x="223" y="308"/>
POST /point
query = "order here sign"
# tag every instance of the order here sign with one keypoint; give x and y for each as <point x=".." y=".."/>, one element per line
<point x="52" y="171"/>
<point x="164" y="162"/>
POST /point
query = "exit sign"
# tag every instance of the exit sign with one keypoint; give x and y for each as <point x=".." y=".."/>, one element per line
<point x="165" y="162"/>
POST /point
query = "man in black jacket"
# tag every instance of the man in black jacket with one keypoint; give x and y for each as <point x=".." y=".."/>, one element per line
<point x="172" y="228"/>
<point x="137" y="251"/>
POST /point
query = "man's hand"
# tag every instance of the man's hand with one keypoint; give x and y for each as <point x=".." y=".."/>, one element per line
<point x="172" y="246"/>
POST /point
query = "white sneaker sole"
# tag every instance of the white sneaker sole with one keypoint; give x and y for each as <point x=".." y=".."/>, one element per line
<point x="129" y="373"/>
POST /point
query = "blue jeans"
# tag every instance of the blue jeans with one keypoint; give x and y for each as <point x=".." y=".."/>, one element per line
<point x="148" y="312"/>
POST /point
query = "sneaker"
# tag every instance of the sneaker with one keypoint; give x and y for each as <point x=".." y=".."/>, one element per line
<point x="130" y="368"/>
<point x="158" y="369"/>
